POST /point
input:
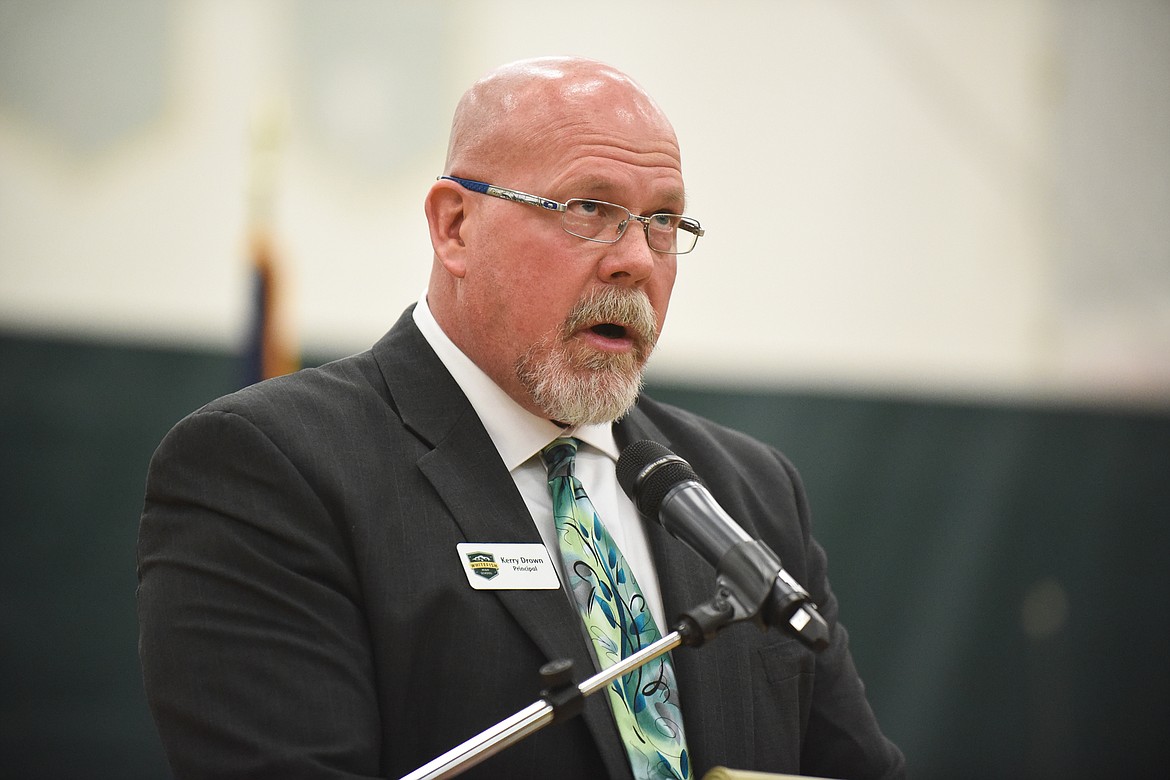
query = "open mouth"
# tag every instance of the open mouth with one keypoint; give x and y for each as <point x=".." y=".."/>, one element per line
<point x="609" y="330"/>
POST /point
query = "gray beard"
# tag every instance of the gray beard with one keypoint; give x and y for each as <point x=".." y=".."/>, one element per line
<point x="590" y="387"/>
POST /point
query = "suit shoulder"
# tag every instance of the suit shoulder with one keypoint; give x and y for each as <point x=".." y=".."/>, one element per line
<point x="700" y="435"/>
<point x="337" y="399"/>
<point x="755" y="482"/>
<point x="335" y="385"/>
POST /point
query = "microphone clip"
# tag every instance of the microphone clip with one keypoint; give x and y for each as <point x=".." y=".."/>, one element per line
<point x="745" y="573"/>
<point x="751" y="585"/>
<point x="761" y="591"/>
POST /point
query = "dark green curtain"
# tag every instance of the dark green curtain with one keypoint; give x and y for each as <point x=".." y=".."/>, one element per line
<point x="999" y="567"/>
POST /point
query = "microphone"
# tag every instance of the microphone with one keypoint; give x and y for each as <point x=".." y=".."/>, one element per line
<point x="667" y="490"/>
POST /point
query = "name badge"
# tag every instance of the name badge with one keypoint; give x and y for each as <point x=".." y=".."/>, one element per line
<point x="508" y="566"/>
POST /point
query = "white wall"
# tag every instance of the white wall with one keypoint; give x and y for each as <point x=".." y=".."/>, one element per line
<point x="938" y="196"/>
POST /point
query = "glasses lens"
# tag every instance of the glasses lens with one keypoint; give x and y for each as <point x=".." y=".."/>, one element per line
<point x="672" y="234"/>
<point x="595" y="220"/>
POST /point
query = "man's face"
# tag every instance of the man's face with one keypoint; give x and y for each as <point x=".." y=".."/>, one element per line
<point x="566" y="325"/>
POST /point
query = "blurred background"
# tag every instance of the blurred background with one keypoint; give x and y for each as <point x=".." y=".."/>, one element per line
<point x="936" y="274"/>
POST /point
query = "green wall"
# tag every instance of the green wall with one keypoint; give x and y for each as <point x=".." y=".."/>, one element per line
<point x="950" y="527"/>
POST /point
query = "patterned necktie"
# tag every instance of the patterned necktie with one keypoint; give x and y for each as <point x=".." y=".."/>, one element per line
<point x="644" y="702"/>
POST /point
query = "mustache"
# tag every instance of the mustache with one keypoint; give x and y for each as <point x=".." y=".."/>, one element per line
<point x="620" y="306"/>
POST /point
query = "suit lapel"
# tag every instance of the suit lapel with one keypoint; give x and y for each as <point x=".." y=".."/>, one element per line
<point x="706" y="673"/>
<point x="468" y="475"/>
<point x="467" y="472"/>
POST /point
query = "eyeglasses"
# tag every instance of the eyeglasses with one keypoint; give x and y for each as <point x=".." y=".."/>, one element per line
<point x="596" y="220"/>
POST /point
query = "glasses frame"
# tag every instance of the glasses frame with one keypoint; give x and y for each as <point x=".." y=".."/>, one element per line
<point x="548" y="204"/>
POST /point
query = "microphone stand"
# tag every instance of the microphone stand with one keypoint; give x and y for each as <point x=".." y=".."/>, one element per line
<point x="561" y="699"/>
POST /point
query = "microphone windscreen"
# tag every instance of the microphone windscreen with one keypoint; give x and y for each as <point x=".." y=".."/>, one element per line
<point x="647" y="471"/>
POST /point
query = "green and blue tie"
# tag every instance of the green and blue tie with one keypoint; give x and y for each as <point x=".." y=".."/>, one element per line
<point x="645" y="701"/>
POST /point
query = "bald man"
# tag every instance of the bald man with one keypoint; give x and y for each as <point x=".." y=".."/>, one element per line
<point x="313" y="549"/>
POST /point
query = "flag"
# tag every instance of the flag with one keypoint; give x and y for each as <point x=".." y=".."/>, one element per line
<point x="270" y="349"/>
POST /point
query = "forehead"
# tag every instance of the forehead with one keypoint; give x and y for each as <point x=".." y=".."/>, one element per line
<point x="603" y="154"/>
<point x="567" y="128"/>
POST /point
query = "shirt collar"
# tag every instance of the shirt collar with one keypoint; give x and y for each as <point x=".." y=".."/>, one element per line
<point x="517" y="433"/>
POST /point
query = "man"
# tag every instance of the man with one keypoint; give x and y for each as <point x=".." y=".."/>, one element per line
<point x="309" y="600"/>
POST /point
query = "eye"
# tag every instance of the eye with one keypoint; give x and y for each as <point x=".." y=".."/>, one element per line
<point x="663" y="221"/>
<point x="589" y="208"/>
<point x="592" y="219"/>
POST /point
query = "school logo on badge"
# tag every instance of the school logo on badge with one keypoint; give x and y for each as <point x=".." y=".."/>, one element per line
<point x="484" y="564"/>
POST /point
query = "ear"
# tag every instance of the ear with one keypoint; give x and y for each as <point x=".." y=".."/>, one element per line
<point x="445" y="208"/>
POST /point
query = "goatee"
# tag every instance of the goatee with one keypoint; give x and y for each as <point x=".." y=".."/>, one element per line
<point x="581" y="386"/>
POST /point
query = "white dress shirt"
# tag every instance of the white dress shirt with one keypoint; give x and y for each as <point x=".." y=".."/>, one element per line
<point x="519" y="437"/>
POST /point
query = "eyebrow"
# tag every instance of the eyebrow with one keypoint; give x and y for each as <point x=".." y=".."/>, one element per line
<point x="597" y="186"/>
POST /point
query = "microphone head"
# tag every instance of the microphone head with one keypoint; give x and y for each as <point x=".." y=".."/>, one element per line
<point x="647" y="471"/>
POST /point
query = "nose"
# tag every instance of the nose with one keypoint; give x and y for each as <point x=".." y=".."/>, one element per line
<point x="629" y="261"/>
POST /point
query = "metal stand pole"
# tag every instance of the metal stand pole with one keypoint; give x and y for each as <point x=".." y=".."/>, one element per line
<point x="561" y="699"/>
<point x="540" y="713"/>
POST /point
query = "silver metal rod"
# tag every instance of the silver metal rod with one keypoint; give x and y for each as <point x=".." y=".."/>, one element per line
<point x="532" y="718"/>
<point x="487" y="743"/>
<point x="630" y="663"/>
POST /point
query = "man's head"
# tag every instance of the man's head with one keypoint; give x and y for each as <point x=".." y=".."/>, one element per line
<point x="562" y="324"/>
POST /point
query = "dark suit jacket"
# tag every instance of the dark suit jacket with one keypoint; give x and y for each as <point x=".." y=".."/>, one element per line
<point x="304" y="612"/>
